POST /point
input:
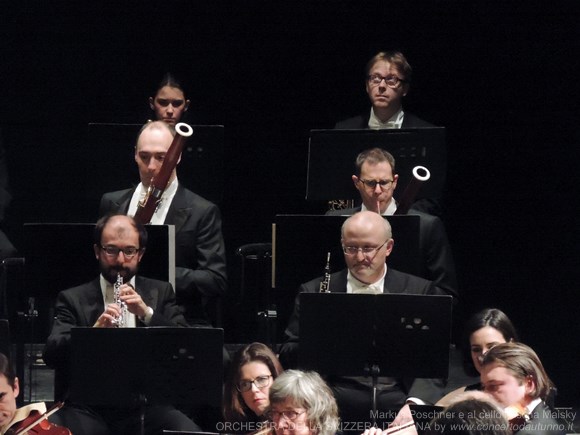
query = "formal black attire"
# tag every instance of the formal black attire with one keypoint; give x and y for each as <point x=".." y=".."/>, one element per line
<point x="82" y="306"/>
<point x="200" y="255"/>
<point x="362" y="122"/>
<point x="354" y="399"/>
<point x="542" y="422"/>
<point x="437" y="263"/>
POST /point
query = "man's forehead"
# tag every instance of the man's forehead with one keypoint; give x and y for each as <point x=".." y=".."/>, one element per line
<point x="154" y="140"/>
<point x="384" y="65"/>
<point x="380" y="167"/>
<point x="119" y="229"/>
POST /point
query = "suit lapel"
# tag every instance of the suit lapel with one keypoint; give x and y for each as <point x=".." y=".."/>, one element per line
<point x="179" y="211"/>
<point x="122" y="204"/>
<point x="149" y="295"/>
<point x="91" y="302"/>
<point x="338" y="282"/>
<point x="392" y="282"/>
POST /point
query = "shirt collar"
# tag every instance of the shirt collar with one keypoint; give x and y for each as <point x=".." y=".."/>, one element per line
<point x="353" y="285"/>
<point x="395" y="121"/>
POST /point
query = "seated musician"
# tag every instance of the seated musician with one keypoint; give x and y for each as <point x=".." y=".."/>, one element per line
<point x="119" y="245"/>
<point x="513" y="374"/>
<point x="200" y="258"/>
<point x="168" y="102"/>
<point x="10" y="416"/>
<point x="367" y="242"/>
<point x="376" y="181"/>
<point x="302" y="404"/>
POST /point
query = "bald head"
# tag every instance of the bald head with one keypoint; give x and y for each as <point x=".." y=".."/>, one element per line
<point x="367" y="242"/>
<point x="367" y="222"/>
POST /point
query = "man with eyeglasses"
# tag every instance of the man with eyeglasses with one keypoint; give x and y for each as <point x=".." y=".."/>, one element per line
<point x="200" y="258"/>
<point x="367" y="242"/>
<point x="376" y="182"/>
<point x="119" y="245"/>
<point x="388" y="79"/>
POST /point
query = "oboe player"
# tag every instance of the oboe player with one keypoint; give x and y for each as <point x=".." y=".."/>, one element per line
<point x="200" y="257"/>
<point x="119" y="245"/>
<point x="367" y="242"/>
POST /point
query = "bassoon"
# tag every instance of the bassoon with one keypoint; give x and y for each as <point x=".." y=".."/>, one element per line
<point x="158" y="184"/>
<point x="420" y="175"/>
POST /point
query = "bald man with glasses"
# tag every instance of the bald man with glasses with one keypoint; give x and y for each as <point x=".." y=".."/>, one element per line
<point x="367" y="242"/>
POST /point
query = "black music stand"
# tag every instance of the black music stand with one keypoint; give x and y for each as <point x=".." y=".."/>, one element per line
<point x="332" y="154"/>
<point x="178" y="366"/>
<point x="372" y="335"/>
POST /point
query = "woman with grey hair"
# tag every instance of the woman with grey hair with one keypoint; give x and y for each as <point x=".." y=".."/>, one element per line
<point x="302" y="404"/>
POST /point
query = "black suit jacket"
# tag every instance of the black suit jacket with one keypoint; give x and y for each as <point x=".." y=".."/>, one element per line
<point x="542" y="422"/>
<point x="395" y="282"/>
<point x="200" y="254"/>
<point x="82" y="306"/>
<point x="437" y="263"/>
<point x="362" y="122"/>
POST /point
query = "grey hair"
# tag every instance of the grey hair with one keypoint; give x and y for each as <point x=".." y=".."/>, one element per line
<point x="307" y="390"/>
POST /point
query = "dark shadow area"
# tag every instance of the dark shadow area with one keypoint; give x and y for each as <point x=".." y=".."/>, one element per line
<point x="500" y="76"/>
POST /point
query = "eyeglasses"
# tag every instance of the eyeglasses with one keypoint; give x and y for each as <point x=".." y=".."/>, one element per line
<point x="385" y="184"/>
<point x="391" y="81"/>
<point x="113" y="251"/>
<point x="289" y="415"/>
<point x="366" y="250"/>
<point x="260" y="382"/>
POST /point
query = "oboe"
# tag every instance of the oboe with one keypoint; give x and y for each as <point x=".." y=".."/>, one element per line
<point x="325" y="283"/>
<point x="122" y="319"/>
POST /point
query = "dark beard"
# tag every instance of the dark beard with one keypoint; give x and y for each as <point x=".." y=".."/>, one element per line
<point x="110" y="273"/>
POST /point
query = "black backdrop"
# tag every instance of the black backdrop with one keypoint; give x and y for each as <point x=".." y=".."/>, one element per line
<point x="500" y="76"/>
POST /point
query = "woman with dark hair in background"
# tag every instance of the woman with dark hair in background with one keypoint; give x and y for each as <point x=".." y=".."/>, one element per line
<point x="483" y="330"/>
<point x="168" y="102"/>
<point x="253" y="370"/>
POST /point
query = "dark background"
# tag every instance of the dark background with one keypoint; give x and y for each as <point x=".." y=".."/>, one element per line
<point x="502" y="77"/>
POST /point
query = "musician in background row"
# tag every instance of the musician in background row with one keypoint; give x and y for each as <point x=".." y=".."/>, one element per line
<point x="376" y="181"/>
<point x="168" y="102"/>
<point x="388" y="80"/>
<point x="367" y="242"/>
<point x="119" y="245"/>
<point x="513" y="375"/>
<point x="200" y="256"/>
